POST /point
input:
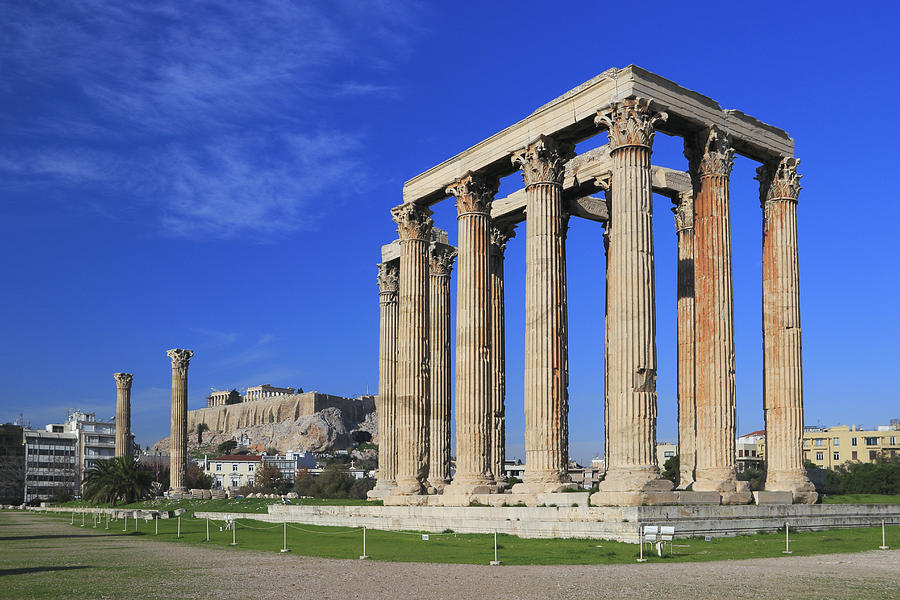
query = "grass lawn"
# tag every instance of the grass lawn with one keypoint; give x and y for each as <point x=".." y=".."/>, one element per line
<point x="243" y="505"/>
<point x="861" y="499"/>
<point x="345" y="542"/>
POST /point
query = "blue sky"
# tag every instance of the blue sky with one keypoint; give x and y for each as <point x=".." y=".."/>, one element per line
<point x="217" y="176"/>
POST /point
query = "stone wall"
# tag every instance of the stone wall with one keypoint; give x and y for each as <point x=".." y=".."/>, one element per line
<point x="273" y="410"/>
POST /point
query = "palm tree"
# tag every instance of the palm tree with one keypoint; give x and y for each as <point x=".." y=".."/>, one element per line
<point x="118" y="478"/>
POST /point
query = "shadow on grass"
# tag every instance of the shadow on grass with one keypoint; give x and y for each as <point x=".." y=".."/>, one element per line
<point x="26" y="570"/>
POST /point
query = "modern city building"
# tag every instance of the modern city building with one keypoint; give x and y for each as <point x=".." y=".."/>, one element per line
<point x="51" y="463"/>
<point x="12" y="464"/>
<point x="829" y="447"/>
<point x="232" y="471"/>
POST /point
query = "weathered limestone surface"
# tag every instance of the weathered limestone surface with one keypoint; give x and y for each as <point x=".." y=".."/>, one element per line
<point x="473" y="334"/>
<point x="441" y="258"/>
<point x="123" y="413"/>
<point x="232" y="417"/>
<point x="711" y="156"/>
<point x="414" y="228"/>
<point x="687" y="420"/>
<point x="632" y="474"/>
<point x="500" y="235"/>
<point x="546" y="335"/>
<point x="178" y="451"/>
<point x="783" y="371"/>
<point x="388" y="285"/>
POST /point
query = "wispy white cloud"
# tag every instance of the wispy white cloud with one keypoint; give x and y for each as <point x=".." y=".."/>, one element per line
<point x="217" y="115"/>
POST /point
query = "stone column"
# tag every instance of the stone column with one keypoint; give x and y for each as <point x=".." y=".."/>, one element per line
<point x="500" y="234"/>
<point x="414" y="227"/>
<point x="632" y="474"/>
<point x="388" y="284"/>
<point x="710" y="156"/>
<point x="178" y="438"/>
<point x="123" y="413"/>
<point x="546" y="330"/>
<point x="687" y="422"/>
<point x="782" y="366"/>
<point x="474" y="194"/>
<point x="440" y="265"/>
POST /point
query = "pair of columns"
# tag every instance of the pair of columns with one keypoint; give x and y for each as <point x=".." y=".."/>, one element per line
<point x="706" y="386"/>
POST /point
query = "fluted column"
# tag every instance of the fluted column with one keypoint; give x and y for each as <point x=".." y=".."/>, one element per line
<point x="412" y="404"/>
<point x="710" y="156"/>
<point x="440" y="265"/>
<point x="687" y="423"/>
<point x="388" y="283"/>
<point x="499" y="236"/>
<point x="782" y="364"/>
<point x="546" y="328"/>
<point x="123" y="413"/>
<point x="632" y="472"/>
<point x="474" y="194"/>
<point x="178" y="438"/>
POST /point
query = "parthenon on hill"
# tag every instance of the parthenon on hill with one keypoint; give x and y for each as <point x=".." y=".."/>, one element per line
<point x="630" y="104"/>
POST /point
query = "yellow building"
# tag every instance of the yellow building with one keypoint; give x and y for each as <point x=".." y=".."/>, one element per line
<point x="829" y="447"/>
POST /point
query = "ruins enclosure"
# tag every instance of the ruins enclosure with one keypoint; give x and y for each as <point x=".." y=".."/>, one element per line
<point x="612" y="185"/>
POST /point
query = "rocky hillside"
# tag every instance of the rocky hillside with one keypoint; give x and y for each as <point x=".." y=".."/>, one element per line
<point x="322" y="431"/>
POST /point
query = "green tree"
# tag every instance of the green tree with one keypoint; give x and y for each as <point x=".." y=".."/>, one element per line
<point x="120" y="478"/>
<point x="755" y="477"/>
<point x="234" y="397"/>
<point x="672" y="469"/>
<point x="201" y="427"/>
<point x="268" y="479"/>
<point x="226" y="447"/>
<point x="195" y="478"/>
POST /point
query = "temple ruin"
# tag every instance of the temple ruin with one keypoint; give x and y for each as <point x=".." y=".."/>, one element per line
<point x="612" y="185"/>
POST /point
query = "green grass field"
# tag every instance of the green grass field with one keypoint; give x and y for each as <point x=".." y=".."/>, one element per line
<point x="247" y="505"/>
<point x="341" y="542"/>
<point x="861" y="499"/>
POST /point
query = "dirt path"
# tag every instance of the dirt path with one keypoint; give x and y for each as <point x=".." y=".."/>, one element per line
<point x="38" y="559"/>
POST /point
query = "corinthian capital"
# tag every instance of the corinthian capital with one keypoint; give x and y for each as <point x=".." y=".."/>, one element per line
<point x="180" y="358"/>
<point x="500" y="234"/>
<point x="123" y="380"/>
<point x="630" y="123"/>
<point x="413" y="221"/>
<point x="684" y="211"/>
<point x="440" y="259"/>
<point x="474" y="193"/>
<point x="544" y="160"/>
<point x="388" y="278"/>
<point x="779" y="180"/>
<point x="709" y="153"/>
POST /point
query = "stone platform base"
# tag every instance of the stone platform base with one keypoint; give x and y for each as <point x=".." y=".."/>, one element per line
<point x="481" y="499"/>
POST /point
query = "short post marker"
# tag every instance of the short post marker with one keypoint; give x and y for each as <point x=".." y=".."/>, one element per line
<point x="126" y="523"/>
<point x="641" y="544"/>
<point x="135" y="523"/>
<point x="883" y="545"/>
<point x="364" y="555"/>
<point x="284" y="547"/>
<point x="156" y="524"/>
<point x="107" y="520"/>
<point x="82" y="518"/>
<point x="787" y="539"/>
<point x="207" y="529"/>
<point x="495" y="562"/>
<point x="234" y="532"/>
<point x="73" y="518"/>
<point x="178" y="535"/>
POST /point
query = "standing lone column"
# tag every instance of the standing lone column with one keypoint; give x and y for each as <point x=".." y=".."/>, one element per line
<point x="779" y="187"/>
<point x="388" y="282"/>
<point x="632" y="474"/>
<point x="710" y="156"/>
<point x="414" y="227"/>
<point x="440" y="265"/>
<point x="178" y="438"/>
<point x="123" y="413"/>
<point x="687" y="421"/>
<point x="546" y="328"/>
<point x="499" y="236"/>
<point x="474" y="194"/>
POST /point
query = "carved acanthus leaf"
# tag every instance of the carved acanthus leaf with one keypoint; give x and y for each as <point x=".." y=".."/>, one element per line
<point x="630" y="123"/>
<point x="123" y="380"/>
<point x="710" y="153"/>
<point x="544" y="160"/>
<point x="388" y="278"/>
<point x="474" y="193"/>
<point x="440" y="258"/>
<point x="180" y="358"/>
<point x="684" y="211"/>
<point x="779" y="180"/>
<point x="413" y="221"/>
<point x="500" y="234"/>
